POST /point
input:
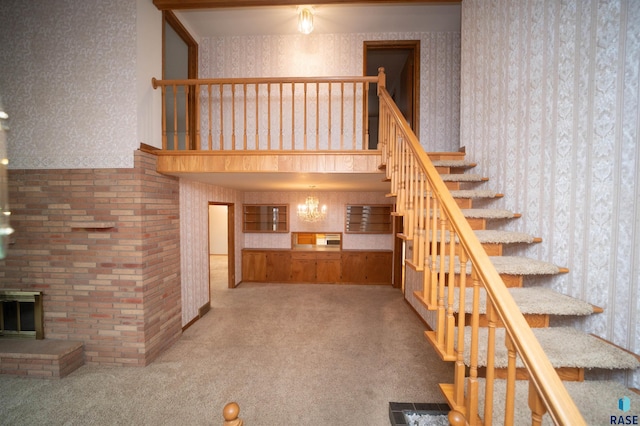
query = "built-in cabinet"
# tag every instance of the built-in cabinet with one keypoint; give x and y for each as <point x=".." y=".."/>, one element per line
<point x="368" y="219"/>
<point x="340" y="266"/>
<point x="265" y="218"/>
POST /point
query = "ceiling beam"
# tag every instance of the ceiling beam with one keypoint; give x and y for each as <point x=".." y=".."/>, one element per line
<point x="213" y="4"/>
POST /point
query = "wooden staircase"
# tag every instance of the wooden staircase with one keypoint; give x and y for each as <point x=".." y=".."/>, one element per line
<point x="538" y="304"/>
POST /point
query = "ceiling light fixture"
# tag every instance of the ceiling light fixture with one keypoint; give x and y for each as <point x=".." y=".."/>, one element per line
<point x="311" y="211"/>
<point x="305" y="19"/>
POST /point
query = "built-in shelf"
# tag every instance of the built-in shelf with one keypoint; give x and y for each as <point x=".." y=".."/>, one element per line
<point x="368" y="219"/>
<point x="93" y="225"/>
<point x="265" y="218"/>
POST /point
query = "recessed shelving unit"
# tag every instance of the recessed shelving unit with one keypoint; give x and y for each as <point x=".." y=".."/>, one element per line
<point x="265" y="218"/>
<point x="368" y="219"/>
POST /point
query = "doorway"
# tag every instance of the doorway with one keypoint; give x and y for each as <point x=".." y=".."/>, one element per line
<point x="221" y="248"/>
<point x="179" y="62"/>
<point x="401" y="62"/>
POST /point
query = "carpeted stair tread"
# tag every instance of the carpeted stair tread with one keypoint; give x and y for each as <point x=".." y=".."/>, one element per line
<point x="510" y="265"/>
<point x="564" y="346"/>
<point x="488" y="214"/>
<point x="496" y="237"/>
<point x="597" y="401"/>
<point x="474" y="193"/>
<point x="503" y="237"/>
<point x="532" y="300"/>
<point x="453" y="163"/>
<point x="462" y="177"/>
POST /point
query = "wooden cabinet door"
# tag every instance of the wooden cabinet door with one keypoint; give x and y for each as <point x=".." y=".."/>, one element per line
<point x="303" y="267"/>
<point x="254" y="266"/>
<point x="278" y="266"/>
<point x="328" y="268"/>
<point x="354" y="267"/>
<point x="379" y="267"/>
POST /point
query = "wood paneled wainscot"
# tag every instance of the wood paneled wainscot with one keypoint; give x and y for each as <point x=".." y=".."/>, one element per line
<point x="312" y="266"/>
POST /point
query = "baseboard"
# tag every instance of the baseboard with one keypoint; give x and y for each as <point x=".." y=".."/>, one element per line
<point x="204" y="309"/>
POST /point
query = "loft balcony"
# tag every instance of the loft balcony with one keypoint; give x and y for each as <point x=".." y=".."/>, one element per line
<point x="293" y="132"/>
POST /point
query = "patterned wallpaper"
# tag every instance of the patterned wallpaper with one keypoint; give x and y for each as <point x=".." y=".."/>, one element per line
<point x="68" y="72"/>
<point x="553" y="89"/>
<point x="194" y="241"/>
<point x="342" y="55"/>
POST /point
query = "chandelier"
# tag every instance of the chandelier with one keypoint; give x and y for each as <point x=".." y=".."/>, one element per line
<point x="311" y="211"/>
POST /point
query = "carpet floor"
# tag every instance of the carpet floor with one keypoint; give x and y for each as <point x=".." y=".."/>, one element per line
<point x="288" y="354"/>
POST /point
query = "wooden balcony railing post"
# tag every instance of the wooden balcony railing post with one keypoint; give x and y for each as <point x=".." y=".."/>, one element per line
<point x="210" y="117"/>
<point x="187" y="124"/>
<point x="164" y="118"/>
<point x="354" y="142"/>
<point x="221" y="89"/>
<point x="382" y="79"/>
<point x="244" y="117"/>
<point x="175" y="117"/>
<point x="293" y="116"/>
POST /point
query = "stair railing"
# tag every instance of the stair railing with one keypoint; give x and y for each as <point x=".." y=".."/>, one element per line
<point x="452" y="259"/>
<point x="262" y="114"/>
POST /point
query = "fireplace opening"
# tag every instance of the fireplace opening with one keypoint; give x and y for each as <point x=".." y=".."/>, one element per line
<point x="21" y="314"/>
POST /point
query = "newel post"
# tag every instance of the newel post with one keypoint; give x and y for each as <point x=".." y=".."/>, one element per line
<point x="382" y="79"/>
<point x="230" y="413"/>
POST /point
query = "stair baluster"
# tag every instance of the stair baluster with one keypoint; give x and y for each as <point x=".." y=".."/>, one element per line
<point x="535" y="404"/>
<point x="490" y="370"/>
<point x="509" y="412"/>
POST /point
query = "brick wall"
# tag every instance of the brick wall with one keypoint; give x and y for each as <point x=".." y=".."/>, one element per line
<point x="103" y="246"/>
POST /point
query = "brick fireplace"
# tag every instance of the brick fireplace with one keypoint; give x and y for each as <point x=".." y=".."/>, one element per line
<point x="103" y="247"/>
<point x="21" y="314"/>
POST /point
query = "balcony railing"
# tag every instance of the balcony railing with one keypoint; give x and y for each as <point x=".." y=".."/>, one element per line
<point x="263" y="114"/>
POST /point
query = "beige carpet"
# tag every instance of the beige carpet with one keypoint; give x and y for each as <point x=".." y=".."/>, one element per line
<point x="288" y="354"/>
<point x="596" y="400"/>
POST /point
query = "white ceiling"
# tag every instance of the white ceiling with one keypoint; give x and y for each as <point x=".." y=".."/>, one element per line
<point x="328" y="19"/>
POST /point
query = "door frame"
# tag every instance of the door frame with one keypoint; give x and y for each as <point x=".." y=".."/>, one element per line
<point x="231" y="243"/>
<point x="169" y="18"/>
<point x="414" y="47"/>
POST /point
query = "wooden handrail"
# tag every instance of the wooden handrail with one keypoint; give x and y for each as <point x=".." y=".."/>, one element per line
<point x="428" y="207"/>
<point x="283" y="113"/>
